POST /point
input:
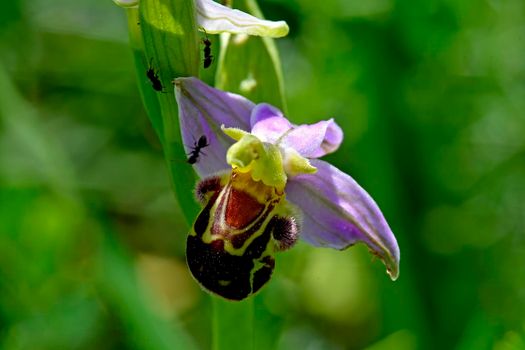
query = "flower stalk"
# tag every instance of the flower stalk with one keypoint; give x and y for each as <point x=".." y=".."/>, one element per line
<point x="233" y="324"/>
<point x="170" y="49"/>
<point x="147" y="94"/>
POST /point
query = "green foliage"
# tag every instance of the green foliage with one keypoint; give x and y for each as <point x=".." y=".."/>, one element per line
<point x="250" y="65"/>
<point x="430" y="96"/>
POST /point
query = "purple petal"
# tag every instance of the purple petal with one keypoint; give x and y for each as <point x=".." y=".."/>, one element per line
<point x="311" y="141"/>
<point x="332" y="139"/>
<point x="268" y="123"/>
<point x="339" y="213"/>
<point x="202" y="111"/>
<point x="315" y="140"/>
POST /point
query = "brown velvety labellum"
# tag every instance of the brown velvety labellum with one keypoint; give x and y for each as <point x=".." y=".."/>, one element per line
<point x="242" y="209"/>
<point x="229" y="252"/>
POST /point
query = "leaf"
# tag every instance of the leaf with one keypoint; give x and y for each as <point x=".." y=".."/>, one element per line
<point x="250" y="66"/>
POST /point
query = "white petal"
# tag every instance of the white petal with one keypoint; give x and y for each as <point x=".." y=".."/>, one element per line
<point x="216" y="18"/>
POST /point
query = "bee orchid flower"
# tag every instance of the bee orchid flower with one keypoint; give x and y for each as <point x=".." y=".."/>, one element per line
<point x="262" y="186"/>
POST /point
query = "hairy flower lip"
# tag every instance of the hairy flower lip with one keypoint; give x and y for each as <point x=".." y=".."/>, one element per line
<point x="338" y="213"/>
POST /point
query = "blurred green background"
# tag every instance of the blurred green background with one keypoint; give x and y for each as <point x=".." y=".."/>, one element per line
<point x="431" y="96"/>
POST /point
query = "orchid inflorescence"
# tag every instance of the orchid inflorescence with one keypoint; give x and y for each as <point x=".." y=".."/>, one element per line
<point x="261" y="184"/>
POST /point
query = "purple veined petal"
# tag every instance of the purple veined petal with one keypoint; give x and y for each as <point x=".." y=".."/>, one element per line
<point x="268" y="123"/>
<point x="339" y="213"/>
<point x="332" y="139"/>
<point x="202" y="111"/>
<point x="315" y="140"/>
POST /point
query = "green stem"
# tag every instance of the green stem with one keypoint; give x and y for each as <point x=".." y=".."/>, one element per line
<point x="232" y="324"/>
<point x="147" y="94"/>
<point x="257" y="59"/>
<point x="182" y="175"/>
<point x="163" y="36"/>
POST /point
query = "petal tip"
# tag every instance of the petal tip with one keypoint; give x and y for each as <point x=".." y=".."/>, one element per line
<point x="391" y="262"/>
<point x="393" y="271"/>
<point x="181" y="80"/>
<point x="281" y="30"/>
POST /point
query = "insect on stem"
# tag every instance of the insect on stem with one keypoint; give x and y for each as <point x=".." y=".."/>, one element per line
<point x="154" y="78"/>
<point x="208" y="57"/>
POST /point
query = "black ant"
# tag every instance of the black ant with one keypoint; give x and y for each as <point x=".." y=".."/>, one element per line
<point x="154" y="78"/>
<point x="197" y="149"/>
<point x="208" y="58"/>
